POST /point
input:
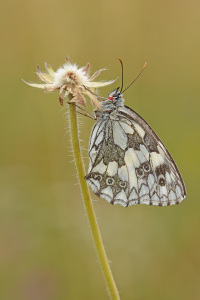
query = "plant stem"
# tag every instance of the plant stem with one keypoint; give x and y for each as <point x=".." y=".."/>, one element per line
<point x="114" y="294"/>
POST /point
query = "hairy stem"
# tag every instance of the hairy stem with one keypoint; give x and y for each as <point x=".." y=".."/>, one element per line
<point x="112" y="288"/>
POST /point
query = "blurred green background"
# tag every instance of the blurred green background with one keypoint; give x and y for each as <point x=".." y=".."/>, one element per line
<point x="46" y="248"/>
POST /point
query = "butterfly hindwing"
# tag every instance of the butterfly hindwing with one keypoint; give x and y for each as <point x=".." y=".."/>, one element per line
<point x="169" y="187"/>
<point x="129" y="164"/>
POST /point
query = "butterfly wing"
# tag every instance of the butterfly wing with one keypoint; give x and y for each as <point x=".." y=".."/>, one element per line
<point x="130" y="165"/>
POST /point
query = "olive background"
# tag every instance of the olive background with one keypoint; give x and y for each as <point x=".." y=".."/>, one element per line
<point x="46" y="248"/>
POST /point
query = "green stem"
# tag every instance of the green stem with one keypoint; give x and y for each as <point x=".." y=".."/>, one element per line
<point x="114" y="294"/>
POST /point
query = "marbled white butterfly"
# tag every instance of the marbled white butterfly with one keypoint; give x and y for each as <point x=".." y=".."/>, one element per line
<point x="128" y="162"/>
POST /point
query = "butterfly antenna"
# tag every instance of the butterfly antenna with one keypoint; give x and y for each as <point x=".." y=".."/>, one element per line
<point x="136" y="77"/>
<point x="122" y="73"/>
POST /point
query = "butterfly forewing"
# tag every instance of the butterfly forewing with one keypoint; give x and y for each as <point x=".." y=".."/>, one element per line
<point x="129" y="164"/>
<point x="165" y="183"/>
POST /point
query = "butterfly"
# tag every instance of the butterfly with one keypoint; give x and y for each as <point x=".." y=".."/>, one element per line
<point x="128" y="162"/>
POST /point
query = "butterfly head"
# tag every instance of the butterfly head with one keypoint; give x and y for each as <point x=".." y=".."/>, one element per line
<point x="113" y="101"/>
<point x="115" y="95"/>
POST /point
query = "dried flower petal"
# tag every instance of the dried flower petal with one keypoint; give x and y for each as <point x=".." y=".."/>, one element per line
<point x="44" y="76"/>
<point x="100" y="83"/>
<point x="49" y="70"/>
<point x="93" y="99"/>
<point x="36" y="85"/>
<point x="86" y="69"/>
<point x="78" y="98"/>
<point x="96" y="74"/>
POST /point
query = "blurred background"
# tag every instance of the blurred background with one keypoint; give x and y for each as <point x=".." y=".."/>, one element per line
<point x="46" y="248"/>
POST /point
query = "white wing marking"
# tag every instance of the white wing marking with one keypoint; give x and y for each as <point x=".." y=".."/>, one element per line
<point x="99" y="138"/>
<point x="156" y="159"/>
<point x="144" y="190"/>
<point x="168" y="178"/>
<point x="100" y="168"/>
<point x="145" y="200"/>
<point x="123" y="173"/>
<point x="155" y="199"/>
<point x="144" y="151"/>
<point x="140" y="156"/>
<point x="125" y="120"/>
<point x="121" y="196"/>
<point x="94" y="184"/>
<point x="131" y="160"/>
<point x="133" y="195"/>
<point x="151" y="181"/>
<point x="126" y="128"/>
<point x="161" y="149"/>
<point x="101" y="125"/>
<point x="119" y="136"/>
<point x="112" y="168"/>
<point x="93" y="154"/>
<point x="90" y="166"/>
<point x="163" y="194"/>
<point x="139" y="129"/>
<point x="107" y="193"/>
<point x="178" y="191"/>
<point x="95" y="132"/>
<point x="172" y="197"/>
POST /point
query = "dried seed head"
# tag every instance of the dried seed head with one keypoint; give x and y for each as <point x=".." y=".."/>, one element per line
<point x="71" y="80"/>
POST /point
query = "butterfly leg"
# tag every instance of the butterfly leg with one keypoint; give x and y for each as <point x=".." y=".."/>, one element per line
<point x="86" y="114"/>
